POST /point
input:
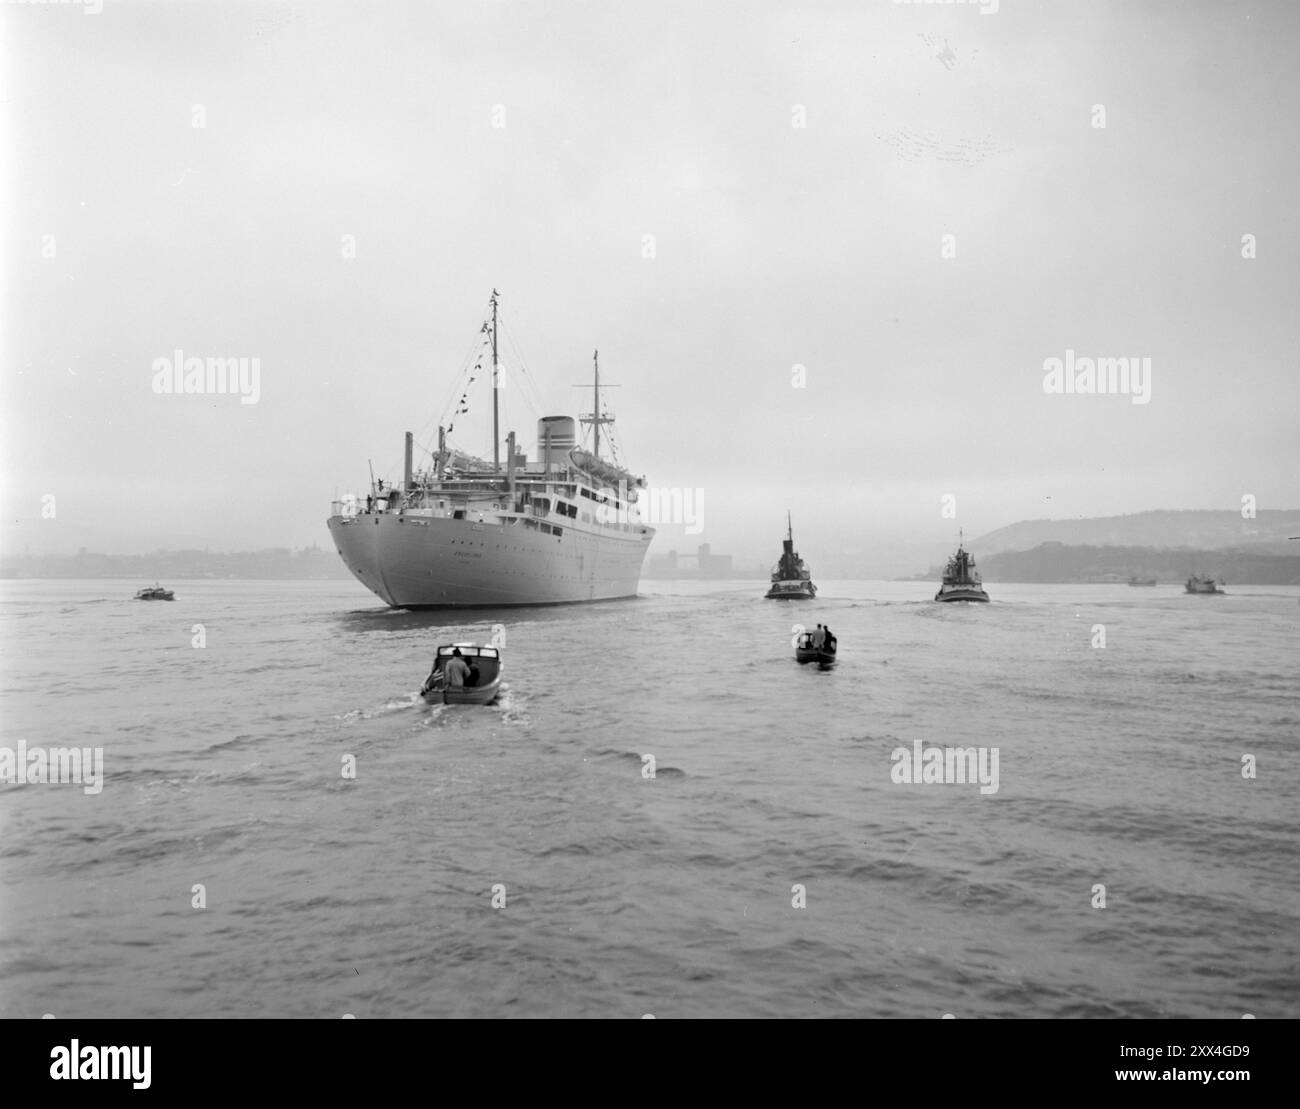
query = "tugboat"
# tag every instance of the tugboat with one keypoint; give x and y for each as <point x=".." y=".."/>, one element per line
<point x="961" y="581"/>
<point x="155" y="593"/>
<point x="790" y="578"/>
<point x="482" y="684"/>
<point x="1204" y="585"/>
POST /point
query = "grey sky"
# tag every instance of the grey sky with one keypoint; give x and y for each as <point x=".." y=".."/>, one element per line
<point x="775" y="245"/>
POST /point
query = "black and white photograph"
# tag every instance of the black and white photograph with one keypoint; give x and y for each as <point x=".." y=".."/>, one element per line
<point x="668" y="509"/>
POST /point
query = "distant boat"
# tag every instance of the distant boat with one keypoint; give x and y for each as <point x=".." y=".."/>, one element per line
<point x="155" y="593"/>
<point x="1204" y="585"/>
<point x="804" y="651"/>
<point x="961" y="581"/>
<point x="1141" y="581"/>
<point x="482" y="686"/>
<point x="790" y="578"/>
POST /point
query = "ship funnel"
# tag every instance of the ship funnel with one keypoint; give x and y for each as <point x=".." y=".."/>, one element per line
<point x="556" y="436"/>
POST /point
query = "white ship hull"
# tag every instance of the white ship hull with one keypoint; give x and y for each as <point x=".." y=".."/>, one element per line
<point x="417" y="561"/>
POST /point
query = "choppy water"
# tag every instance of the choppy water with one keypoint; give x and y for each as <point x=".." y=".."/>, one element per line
<point x="673" y="895"/>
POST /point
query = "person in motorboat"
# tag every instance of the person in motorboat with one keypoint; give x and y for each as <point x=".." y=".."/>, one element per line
<point x="830" y="639"/>
<point x="473" y="676"/>
<point x="818" y="638"/>
<point x="456" y="670"/>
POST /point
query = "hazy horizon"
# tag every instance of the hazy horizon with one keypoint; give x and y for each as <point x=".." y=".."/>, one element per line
<point x="362" y="180"/>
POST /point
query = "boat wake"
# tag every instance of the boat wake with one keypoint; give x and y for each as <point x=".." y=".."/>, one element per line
<point x="399" y="705"/>
<point x="513" y="710"/>
<point x="436" y="711"/>
<point x="509" y="708"/>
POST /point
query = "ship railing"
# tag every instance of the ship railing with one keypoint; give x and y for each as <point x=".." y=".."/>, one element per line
<point x="473" y="491"/>
<point x="355" y="505"/>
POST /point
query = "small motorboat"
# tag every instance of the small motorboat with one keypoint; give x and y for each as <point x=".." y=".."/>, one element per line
<point x="1204" y="585"/>
<point x="804" y="651"/>
<point x="155" y="593"/>
<point x="481" y="686"/>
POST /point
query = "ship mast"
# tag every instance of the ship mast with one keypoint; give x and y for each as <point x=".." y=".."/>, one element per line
<point x="595" y="418"/>
<point x="496" y="430"/>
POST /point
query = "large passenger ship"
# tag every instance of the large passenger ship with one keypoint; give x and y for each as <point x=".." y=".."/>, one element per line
<point x="465" y="532"/>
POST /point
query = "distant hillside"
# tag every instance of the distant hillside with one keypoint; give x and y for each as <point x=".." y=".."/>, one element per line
<point x="1204" y="530"/>
<point x="1055" y="562"/>
<point x="273" y="563"/>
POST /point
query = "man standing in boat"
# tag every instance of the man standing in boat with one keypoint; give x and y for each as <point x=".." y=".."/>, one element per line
<point x="819" y="638"/>
<point x="457" y="670"/>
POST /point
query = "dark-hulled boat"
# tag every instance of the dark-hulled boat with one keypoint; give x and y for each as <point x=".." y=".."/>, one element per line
<point x="790" y="578"/>
<point x="155" y="593"/>
<point x="804" y="651"/>
<point x="961" y="581"/>
<point x="1204" y="585"/>
<point x="480" y="688"/>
